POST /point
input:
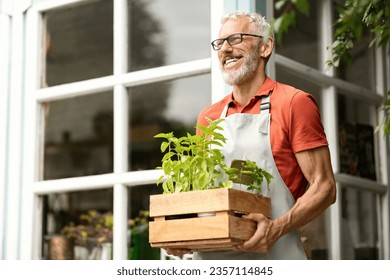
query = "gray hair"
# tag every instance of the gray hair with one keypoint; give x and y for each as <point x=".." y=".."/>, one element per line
<point x="258" y="23"/>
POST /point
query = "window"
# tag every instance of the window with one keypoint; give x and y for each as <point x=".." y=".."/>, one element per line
<point x="108" y="83"/>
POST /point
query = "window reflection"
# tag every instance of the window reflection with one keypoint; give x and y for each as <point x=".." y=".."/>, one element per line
<point x="163" y="107"/>
<point x="361" y="70"/>
<point x="164" y="32"/>
<point x="285" y="76"/>
<point x="300" y="43"/>
<point x="356" y="138"/>
<point x="79" y="136"/>
<point x="359" y="225"/>
<point x="314" y="236"/>
<point x="138" y="228"/>
<point x="76" y="224"/>
<point x="79" y="42"/>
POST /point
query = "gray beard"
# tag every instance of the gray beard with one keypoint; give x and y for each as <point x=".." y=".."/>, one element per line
<point x="246" y="71"/>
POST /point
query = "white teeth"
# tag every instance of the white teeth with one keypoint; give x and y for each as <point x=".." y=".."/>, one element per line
<point x="230" y="60"/>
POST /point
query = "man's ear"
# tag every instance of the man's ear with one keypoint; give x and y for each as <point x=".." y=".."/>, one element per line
<point x="267" y="46"/>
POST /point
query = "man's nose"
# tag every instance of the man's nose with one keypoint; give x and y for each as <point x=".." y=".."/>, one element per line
<point x="225" y="47"/>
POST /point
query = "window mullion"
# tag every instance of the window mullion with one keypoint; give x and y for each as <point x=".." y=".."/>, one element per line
<point x="383" y="165"/>
<point x="121" y="130"/>
<point x="329" y="114"/>
<point x="5" y="26"/>
<point x="33" y="148"/>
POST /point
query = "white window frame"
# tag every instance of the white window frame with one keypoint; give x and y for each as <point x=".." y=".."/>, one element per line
<point x="5" y="28"/>
<point x="12" y="16"/>
<point x="120" y="180"/>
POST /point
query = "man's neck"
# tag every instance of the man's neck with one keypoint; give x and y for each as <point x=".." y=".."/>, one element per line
<point x="243" y="93"/>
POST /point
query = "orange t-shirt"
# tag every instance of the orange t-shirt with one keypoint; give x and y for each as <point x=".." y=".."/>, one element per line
<point x="295" y="126"/>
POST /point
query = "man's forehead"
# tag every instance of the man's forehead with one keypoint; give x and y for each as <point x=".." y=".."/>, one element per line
<point x="231" y="26"/>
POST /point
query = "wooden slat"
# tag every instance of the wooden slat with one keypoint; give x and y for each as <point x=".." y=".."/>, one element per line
<point x="204" y="228"/>
<point x="201" y="245"/>
<point x="208" y="201"/>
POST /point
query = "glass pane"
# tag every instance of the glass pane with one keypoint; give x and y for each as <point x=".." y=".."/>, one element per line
<point x="163" y="107"/>
<point x="359" y="225"/>
<point x="298" y="82"/>
<point x="78" y="225"/>
<point x="361" y="71"/>
<point x="314" y="236"/>
<point x="356" y="138"/>
<point x="301" y="42"/>
<point x="79" y="136"/>
<point x="164" y="32"/>
<point x="79" y="42"/>
<point x="139" y="247"/>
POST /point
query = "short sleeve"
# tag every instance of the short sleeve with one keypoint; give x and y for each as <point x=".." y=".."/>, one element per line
<point x="306" y="129"/>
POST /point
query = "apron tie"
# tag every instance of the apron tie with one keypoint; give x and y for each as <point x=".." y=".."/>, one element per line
<point x="264" y="115"/>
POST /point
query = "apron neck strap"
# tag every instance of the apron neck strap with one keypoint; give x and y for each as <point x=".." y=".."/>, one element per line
<point x="265" y="103"/>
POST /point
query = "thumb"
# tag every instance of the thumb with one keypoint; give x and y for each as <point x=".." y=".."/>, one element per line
<point x="254" y="216"/>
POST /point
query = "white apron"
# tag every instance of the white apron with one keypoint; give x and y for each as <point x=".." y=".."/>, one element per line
<point x="248" y="137"/>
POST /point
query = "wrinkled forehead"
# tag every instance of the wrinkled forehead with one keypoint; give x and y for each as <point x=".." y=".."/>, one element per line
<point x="232" y="26"/>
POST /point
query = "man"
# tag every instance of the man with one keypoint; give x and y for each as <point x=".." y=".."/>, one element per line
<point x="291" y="144"/>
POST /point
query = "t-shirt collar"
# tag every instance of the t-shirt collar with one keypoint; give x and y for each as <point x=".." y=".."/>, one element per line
<point x="266" y="88"/>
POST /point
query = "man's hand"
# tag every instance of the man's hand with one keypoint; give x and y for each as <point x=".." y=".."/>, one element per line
<point x="262" y="239"/>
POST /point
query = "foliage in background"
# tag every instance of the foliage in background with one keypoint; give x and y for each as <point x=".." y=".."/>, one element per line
<point x="288" y="17"/>
<point x="353" y="19"/>
<point x="141" y="219"/>
<point x="385" y="125"/>
<point x="92" y="224"/>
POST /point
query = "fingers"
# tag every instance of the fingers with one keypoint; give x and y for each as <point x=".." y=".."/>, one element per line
<point x="257" y="217"/>
<point x="177" y="251"/>
<point x="258" y="242"/>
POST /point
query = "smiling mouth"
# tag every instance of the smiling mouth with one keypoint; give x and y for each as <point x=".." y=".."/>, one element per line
<point x="230" y="61"/>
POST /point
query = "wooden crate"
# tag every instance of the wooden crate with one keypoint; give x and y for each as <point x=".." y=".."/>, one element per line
<point x="204" y="220"/>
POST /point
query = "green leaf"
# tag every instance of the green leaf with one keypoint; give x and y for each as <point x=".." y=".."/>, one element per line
<point x="167" y="156"/>
<point x="283" y="23"/>
<point x="160" y="179"/>
<point x="163" y="135"/>
<point x="279" y="4"/>
<point x="302" y="6"/>
<point x="164" y="146"/>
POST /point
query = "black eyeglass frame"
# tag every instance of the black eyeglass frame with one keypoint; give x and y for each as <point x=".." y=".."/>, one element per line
<point x="222" y="40"/>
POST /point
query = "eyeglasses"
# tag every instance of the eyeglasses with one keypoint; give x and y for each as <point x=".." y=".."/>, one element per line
<point x="232" y="40"/>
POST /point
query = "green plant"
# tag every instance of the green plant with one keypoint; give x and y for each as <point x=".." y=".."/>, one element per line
<point x="92" y="224"/>
<point x="256" y="174"/>
<point x="195" y="162"/>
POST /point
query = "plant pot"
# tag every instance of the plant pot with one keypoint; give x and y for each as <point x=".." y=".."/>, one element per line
<point x="60" y="248"/>
<point x="179" y="223"/>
